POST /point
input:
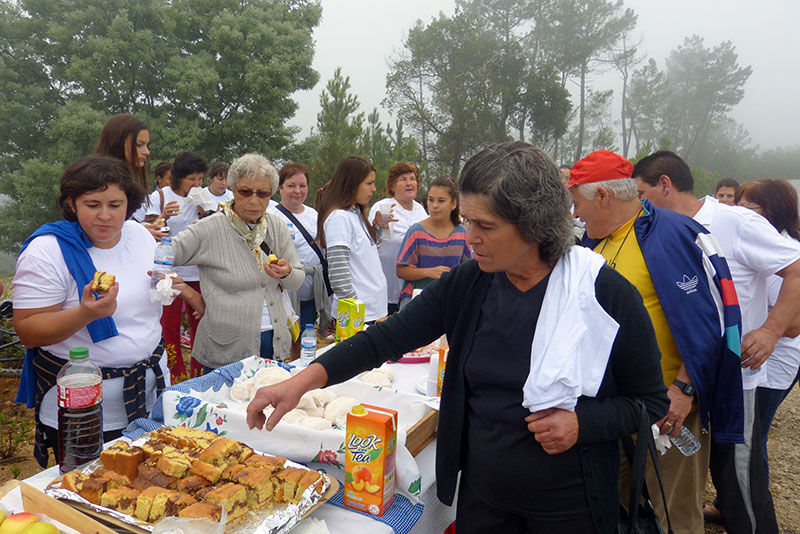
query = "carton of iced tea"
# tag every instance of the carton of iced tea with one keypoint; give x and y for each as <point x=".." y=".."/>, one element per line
<point x="370" y="451"/>
<point x="443" y="352"/>
<point x="349" y="318"/>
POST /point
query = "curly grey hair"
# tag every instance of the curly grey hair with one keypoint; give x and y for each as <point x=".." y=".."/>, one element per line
<point x="252" y="165"/>
<point x="523" y="186"/>
<point x="624" y="189"/>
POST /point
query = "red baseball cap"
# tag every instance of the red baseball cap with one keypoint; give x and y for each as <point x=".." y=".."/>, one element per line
<point x="600" y="166"/>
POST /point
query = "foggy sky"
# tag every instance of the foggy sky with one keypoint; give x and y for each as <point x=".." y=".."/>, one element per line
<point x="362" y="35"/>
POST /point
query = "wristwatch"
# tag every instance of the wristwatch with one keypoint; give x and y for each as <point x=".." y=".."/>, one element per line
<point x="688" y="389"/>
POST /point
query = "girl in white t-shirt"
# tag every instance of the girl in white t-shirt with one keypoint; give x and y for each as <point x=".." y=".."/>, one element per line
<point x="218" y="183"/>
<point x="354" y="266"/>
<point x="127" y="138"/>
<point x="401" y="190"/>
<point x="55" y="308"/>
<point x="188" y="170"/>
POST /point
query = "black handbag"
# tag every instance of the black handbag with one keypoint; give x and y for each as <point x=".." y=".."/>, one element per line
<point x="639" y="517"/>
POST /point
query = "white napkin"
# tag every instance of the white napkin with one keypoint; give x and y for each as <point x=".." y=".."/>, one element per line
<point x="163" y="292"/>
<point x="201" y="197"/>
<point x="662" y="440"/>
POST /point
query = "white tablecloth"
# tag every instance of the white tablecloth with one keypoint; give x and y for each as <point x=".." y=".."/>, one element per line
<point x="435" y="518"/>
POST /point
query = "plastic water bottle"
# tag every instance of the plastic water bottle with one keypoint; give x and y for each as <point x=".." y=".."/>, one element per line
<point x="308" y="346"/>
<point x="80" y="411"/>
<point x="163" y="261"/>
<point x="686" y="442"/>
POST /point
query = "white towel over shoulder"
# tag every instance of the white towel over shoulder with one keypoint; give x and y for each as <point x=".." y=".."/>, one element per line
<point x="573" y="337"/>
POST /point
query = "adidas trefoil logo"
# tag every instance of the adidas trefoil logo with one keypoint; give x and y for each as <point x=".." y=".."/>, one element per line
<point x="688" y="284"/>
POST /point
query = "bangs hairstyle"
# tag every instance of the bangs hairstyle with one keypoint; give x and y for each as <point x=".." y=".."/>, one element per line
<point x="216" y="169"/>
<point x="96" y="173"/>
<point x="727" y="182"/>
<point x="522" y="185"/>
<point x="186" y="163"/>
<point x="397" y="170"/>
<point x="340" y="191"/>
<point x="119" y="133"/>
<point x="289" y="169"/>
<point x="452" y="190"/>
<point x="778" y="200"/>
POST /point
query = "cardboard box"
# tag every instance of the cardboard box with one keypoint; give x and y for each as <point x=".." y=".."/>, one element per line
<point x="36" y="502"/>
<point x="349" y="318"/>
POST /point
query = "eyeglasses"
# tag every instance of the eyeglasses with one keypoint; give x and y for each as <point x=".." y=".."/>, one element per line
<point x="247" y="193"/>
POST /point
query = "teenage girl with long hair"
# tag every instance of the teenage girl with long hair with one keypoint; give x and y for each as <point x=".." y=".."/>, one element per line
<point x="434" y="245"/>
<point x="350" y="240"/>
<point x="127" y="138"/>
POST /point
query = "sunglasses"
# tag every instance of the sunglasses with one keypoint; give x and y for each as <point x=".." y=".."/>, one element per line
<point x="247" y="193"/>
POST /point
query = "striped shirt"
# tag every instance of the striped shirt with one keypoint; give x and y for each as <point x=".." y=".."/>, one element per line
<point x="422" y="250"/>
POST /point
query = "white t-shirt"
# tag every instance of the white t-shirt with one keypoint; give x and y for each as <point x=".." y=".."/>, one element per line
<point x="754" y="251"/>
<point x="782" y="365"/>
<point x="224" y="197"/>
<point x="346" y="228"/>
<point x="177" y="223"/>
<point x="392" y="240"/>
<point x="42" y="279"/>
<point x="307" y="255"/>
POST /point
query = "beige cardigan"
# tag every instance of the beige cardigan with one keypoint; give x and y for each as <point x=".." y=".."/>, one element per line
<point x="234" y="288"/>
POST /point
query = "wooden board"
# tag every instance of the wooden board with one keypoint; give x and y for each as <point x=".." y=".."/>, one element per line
<point x="422" y="433"/>
<point x="36" y="502"/>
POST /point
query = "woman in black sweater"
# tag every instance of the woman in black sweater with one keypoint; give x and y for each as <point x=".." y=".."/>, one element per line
<point x="553" y="468"/>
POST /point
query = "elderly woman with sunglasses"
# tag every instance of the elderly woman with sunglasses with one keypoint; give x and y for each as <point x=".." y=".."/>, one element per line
<point x="245" y="308"/>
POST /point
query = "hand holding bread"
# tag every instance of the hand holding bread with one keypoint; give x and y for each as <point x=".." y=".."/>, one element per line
<point x="104" y="305"/>
<point x="277" y="268"/>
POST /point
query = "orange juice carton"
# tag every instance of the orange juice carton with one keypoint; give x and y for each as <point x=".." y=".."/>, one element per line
<point x="443" y="352"/>
<point x="349" y="318"/>
<point x="370" y="450"/>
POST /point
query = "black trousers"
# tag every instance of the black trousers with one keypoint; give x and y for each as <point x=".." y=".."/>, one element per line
<point x="739" y="473"/>
<point x="474" y="516"/>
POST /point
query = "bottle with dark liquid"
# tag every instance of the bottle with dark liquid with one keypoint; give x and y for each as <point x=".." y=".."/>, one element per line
<point x="80" y="411"/>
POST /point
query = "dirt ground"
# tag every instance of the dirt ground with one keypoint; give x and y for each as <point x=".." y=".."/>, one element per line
<point x="784" y="453"/>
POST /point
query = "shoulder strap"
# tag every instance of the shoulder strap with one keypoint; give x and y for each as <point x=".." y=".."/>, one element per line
<point x="637" y="457"/>
<point x="283" y="209"/>
<point x="265" y="248"/>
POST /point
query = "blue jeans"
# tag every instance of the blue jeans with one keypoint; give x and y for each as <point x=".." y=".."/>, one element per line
<point x="308" y="313"/>
<point x="266" y="344"/>
<point x="768" y="402"/>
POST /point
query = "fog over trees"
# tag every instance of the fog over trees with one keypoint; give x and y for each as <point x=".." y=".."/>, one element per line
<point x="220" y="77"/>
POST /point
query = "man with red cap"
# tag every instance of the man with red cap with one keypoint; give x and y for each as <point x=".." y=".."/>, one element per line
<point x="685" y="283"/>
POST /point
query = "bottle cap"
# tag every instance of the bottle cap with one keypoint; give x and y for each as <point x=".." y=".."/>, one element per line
<point x="78" y="353"/>
<point x="167" y="240"/>
<point x="358" y="410"/>
<point x="309" y="326"/>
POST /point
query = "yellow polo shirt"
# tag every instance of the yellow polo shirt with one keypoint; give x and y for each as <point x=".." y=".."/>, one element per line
<point x="624" y="255"/>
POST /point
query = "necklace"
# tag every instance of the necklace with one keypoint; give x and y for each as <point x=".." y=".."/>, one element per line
<point x="613" y="262"/>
